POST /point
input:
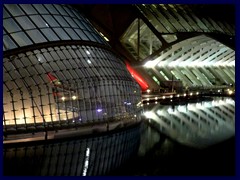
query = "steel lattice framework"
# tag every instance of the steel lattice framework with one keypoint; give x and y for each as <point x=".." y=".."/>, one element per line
<point x="173" y="43"/>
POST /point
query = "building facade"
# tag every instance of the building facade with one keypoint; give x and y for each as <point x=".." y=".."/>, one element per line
<point x="58" y="70"/>
<point x="174" y="42"/>
<point x="60" y="75"/>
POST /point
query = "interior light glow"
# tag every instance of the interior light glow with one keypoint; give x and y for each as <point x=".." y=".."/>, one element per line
<point x="99" y="110"/>
<point x="74" y="97"/>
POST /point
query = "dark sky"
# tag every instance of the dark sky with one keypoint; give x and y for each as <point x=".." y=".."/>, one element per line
<point x="217" y="11"/>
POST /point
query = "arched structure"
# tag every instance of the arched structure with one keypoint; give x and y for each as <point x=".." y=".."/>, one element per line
<point x="172" y="42"/>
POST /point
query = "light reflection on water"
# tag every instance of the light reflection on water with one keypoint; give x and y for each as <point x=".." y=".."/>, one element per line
<point x="199" y="124"/>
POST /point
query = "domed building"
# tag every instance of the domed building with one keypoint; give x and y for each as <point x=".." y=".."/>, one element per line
<point x="63" y="84"/>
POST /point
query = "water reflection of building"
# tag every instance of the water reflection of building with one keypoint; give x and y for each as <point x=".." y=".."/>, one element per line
<point x="62" y="78"/>
<point x="198" y="124"/>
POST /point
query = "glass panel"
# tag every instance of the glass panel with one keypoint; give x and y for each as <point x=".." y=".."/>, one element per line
<point x="61" y="21"/>
<point x="51" y="9"/>
<point x="99" y="39"/>
<point x="87" y="26"/>
<point x="39" y="21"/>
<point x="69" y="11"/>
<point x="21" y="39"/>
<point x="71" y="22"/>
<point x="77" y="14"/>
<point x="72" y="34"/>
<point x="40" y="8"/>
<point x="51" y="36"/>
<point x="61" y="34"/>
<point x="79" y="24"/>
<point x="10" y="25"/>
<point x="14" y="9"/>
<point x="8" y="43"/>
<point x="36" y="36"/>
<point x="51" y="22"/>
<point x="28" y="8"/>
<point x="60" y="9"/>
<point x="5" y="13"/>
<point x="25" y="22"/>
<point x="90" y="36"/>
<point x="81" y="34"/>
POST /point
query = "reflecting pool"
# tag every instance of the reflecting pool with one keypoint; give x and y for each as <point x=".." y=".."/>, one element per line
<point x="198" y="124"/>
<point x="191" y="139"/>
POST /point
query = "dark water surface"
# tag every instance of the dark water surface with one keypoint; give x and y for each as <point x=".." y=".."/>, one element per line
<point x="195" y="139"/>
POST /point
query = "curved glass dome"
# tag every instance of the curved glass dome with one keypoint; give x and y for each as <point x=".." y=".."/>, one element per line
<point x="65" y="83"/>
<point x="28" y="24"/>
